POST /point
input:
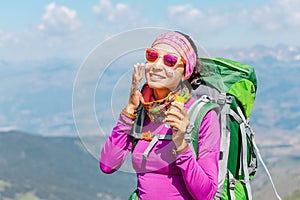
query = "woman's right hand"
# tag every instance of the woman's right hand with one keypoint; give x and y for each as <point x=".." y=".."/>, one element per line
<point x="135" y="94"/>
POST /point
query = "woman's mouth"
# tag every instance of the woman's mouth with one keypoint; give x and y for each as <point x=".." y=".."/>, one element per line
<point x="156" y="77"/>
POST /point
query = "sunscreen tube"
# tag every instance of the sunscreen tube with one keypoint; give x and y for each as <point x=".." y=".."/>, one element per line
<point x="179" y="101"/>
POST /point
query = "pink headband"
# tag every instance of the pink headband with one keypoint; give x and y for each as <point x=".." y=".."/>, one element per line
<point x="182" y="45"/>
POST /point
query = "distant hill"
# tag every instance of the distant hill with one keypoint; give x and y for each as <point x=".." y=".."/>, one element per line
<point x="55" y="168"/>
<point x="58" y="168"/>
<point x="286" y="176"/>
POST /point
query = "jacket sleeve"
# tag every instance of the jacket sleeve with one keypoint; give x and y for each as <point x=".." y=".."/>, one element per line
<point x="201" y="175"/>
<point x="116" y="147"/>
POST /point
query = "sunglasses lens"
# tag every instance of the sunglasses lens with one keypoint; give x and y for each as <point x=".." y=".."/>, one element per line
<point x="170" y="60"/>
<point x="151" y="55"/>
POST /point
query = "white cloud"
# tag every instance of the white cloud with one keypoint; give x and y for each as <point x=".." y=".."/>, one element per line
<point x="282" y="53"/>
<point x="58" y="20"/>
<point x="277" y="16"/>
<point x="25" y="112"/>
<point x="7" y="128"/>
<point x="7" y="38"/>
<point x="290" y="9"/>
<point x="196" y="21"/>
<point x="297" y="57"/>
<point x="281" y="15"/>
<point x="263" y="18"/>
<point x="55" y="125"/>
<point x="121" y="15"/>
<point x="104" y="7"/>
<point x="186" y="10"/>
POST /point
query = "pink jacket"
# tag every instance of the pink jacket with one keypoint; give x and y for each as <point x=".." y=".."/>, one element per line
<point x="164" y="175"/>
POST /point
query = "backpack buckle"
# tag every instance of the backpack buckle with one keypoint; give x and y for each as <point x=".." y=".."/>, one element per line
<point x="205" y="99"/>
<point x="222" y="99"/>
<point x="232" y="184"/>
<point x="148" y="136"/>
<point x="190" y="128"/>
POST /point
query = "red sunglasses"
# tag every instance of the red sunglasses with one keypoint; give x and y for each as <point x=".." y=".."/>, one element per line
<point x="169" y="60"/>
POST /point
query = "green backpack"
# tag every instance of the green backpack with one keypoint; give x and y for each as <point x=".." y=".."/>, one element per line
<point x="229" y="87"/>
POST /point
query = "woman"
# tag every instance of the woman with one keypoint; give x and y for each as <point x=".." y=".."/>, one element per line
<point x="167" y="169"/>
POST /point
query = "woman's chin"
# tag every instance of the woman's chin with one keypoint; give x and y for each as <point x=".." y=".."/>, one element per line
<point x="157" y="84"/>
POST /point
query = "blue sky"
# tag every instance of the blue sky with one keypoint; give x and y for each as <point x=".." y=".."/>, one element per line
<point x="43" y="43"/>
<point x="45" y="27"/>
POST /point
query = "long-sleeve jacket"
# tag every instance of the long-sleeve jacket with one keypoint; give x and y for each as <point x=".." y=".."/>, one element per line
<point x="164" y="175"/>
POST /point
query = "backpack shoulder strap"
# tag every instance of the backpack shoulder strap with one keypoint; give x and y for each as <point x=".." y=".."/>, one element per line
<point x="137" y="126"/>
<point x="196" y="113"/>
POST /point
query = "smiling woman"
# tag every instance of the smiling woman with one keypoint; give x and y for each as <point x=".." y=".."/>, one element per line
<point x="164" y="69"/>
<point x="163" y="161"/>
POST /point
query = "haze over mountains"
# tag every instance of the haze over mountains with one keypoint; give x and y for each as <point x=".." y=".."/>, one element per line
<point x="56" y="168"/>
<point x="38" y="99"/>
<point x="59" y="168"/>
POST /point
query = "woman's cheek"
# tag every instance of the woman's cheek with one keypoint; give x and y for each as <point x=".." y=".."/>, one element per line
<point x="170" y="73"/>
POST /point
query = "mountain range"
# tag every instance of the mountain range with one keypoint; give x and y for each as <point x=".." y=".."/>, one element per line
<point x="59" y="168"/>
<point x="55" y="168"/>
<point x="41" y="91"/>
<point x="50" y="163"/>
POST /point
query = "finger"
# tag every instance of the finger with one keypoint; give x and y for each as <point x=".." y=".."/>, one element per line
<point x="184" y="111"/>
<point x="174" y="126"/>
<point x="185" y="114"/>
<point x="176" y="114"/>
<point x="180" y="107"/>
<point x="177" y="131"/>
<point x="135" y="73"/>
<point x="135" y="68"/>
<point x="172" y="120"/>
<point x="142" y="70"/>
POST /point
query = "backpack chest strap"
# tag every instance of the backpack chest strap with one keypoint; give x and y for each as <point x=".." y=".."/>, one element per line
<point x="153" y="138"/>
<point x="148" y="136"/>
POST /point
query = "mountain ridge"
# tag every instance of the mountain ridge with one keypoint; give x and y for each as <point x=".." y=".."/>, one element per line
<point x="48" y="168"/>
<point x="55" y="168"/>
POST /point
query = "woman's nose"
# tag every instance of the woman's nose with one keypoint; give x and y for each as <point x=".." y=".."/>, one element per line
<point x="158" y="66"/>
<point x="160" y="60"/>
<point x="155" y="66"/>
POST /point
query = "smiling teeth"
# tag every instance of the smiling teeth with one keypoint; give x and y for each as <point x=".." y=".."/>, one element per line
<point x="156" y="76"/>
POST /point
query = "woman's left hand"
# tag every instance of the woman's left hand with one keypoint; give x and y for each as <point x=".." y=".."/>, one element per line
<point x="179" y="122"/>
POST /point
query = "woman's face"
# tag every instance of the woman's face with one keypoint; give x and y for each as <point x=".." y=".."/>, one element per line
<point x="161" y="76"/>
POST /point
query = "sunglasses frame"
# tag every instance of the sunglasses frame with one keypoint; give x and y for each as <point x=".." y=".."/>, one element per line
<point x="163" y="56"/>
